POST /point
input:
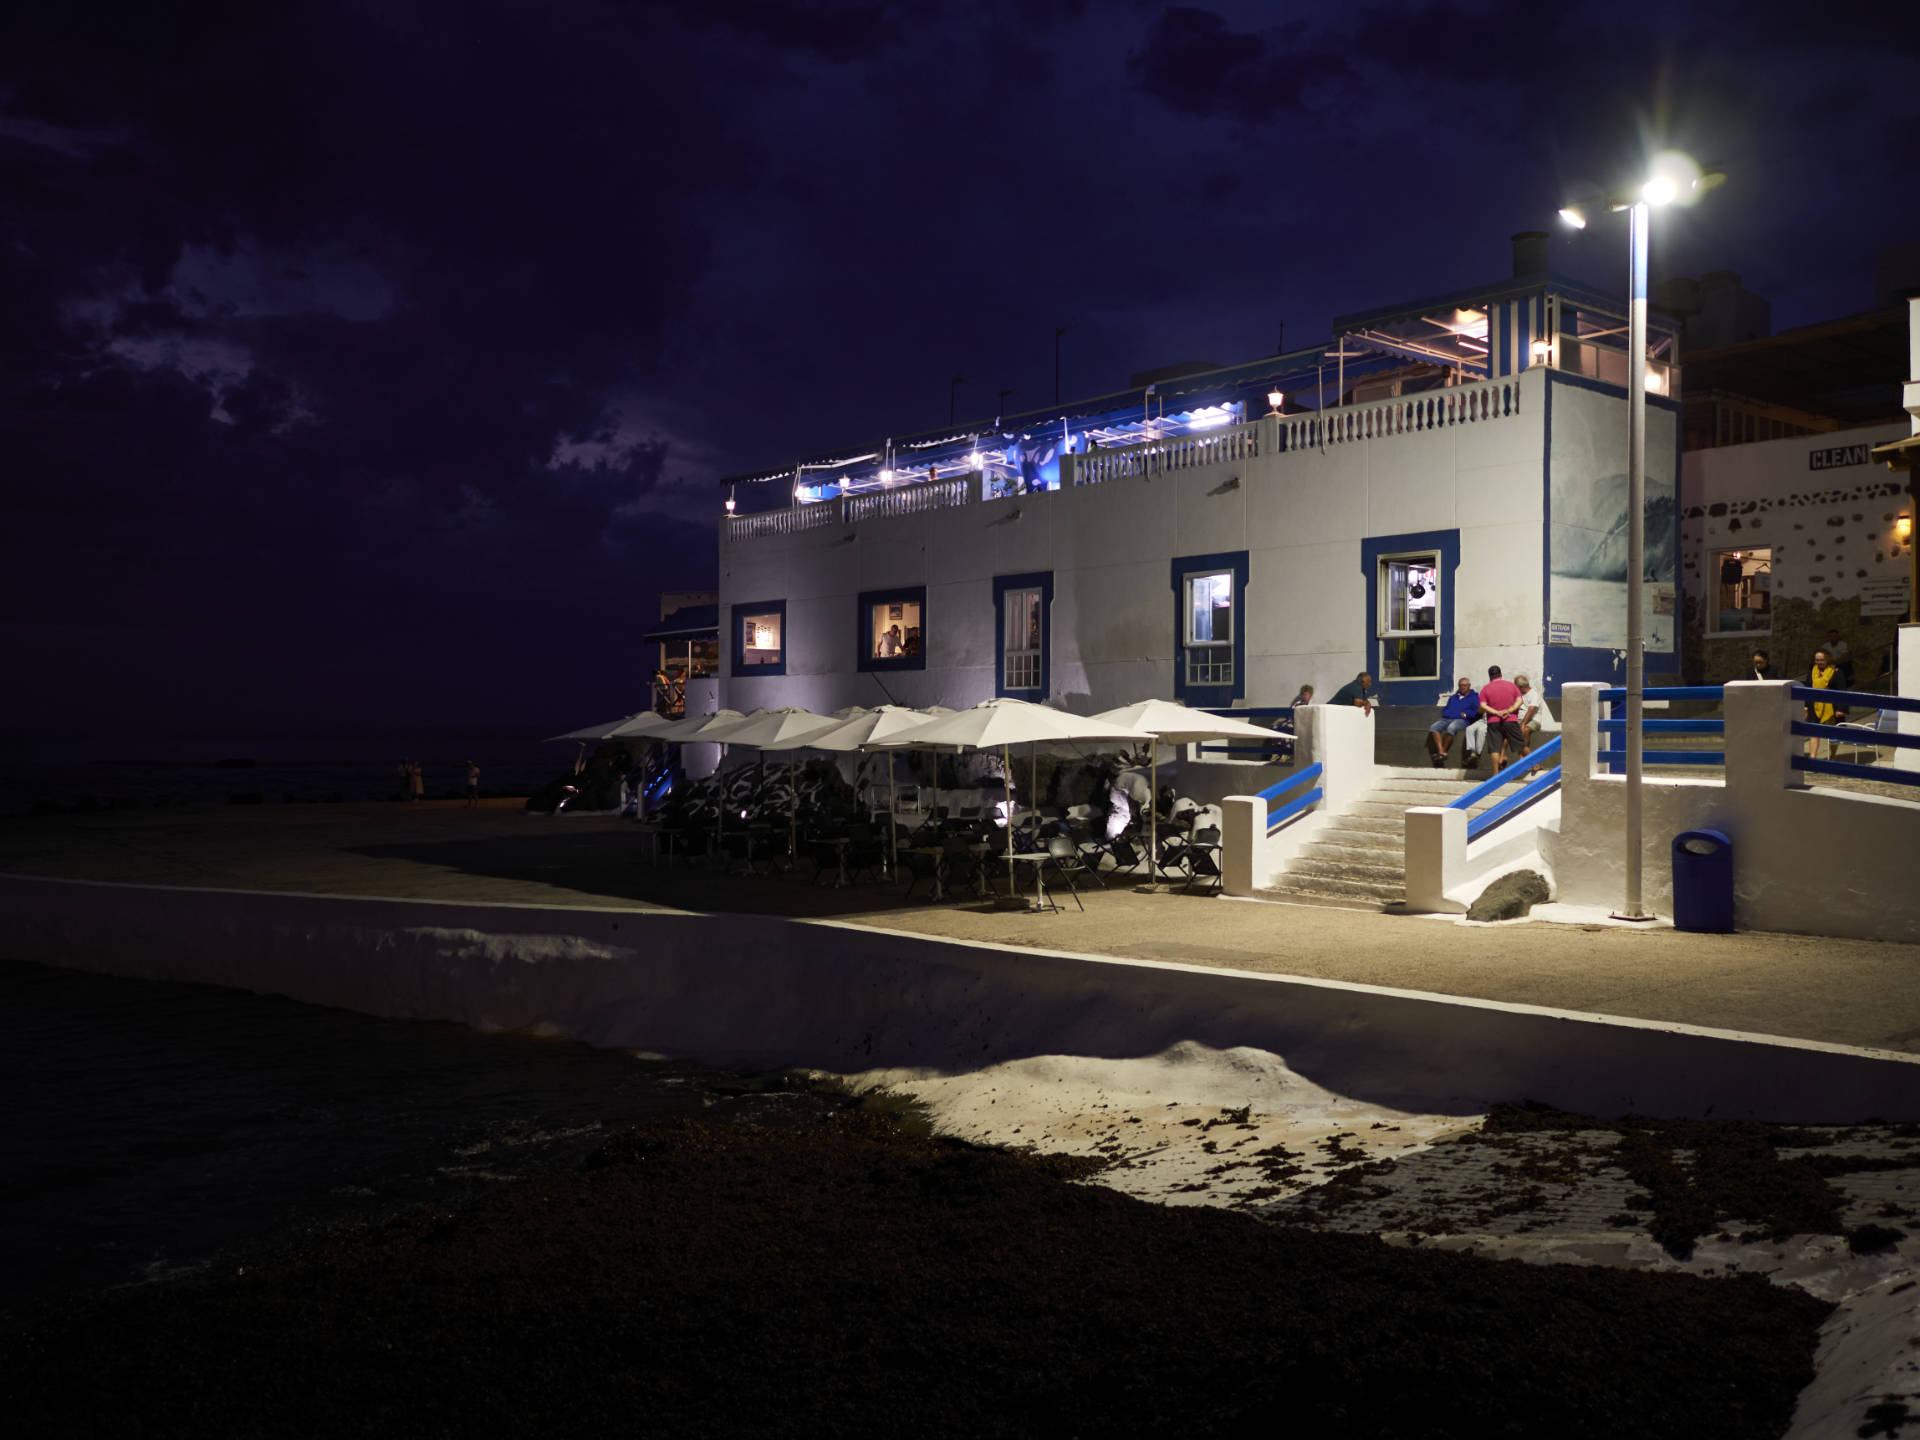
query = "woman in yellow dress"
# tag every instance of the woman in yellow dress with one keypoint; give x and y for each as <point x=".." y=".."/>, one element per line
<point x="1824" y="674"/>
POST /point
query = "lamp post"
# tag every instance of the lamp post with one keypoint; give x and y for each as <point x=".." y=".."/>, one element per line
<point x="1675" y="177"/>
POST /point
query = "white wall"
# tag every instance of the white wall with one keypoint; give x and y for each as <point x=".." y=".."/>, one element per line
<point x="1339" y="739"/>
<point x="1300" y="514"/>
<point x="1816" y="861"/>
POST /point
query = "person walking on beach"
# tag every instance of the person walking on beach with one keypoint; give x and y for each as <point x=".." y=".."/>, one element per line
<point x="416" y="787"/>
<point x="473" y="784"/>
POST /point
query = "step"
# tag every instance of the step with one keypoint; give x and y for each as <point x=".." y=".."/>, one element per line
<point x="1291" y="895"/>
<point x="1345" y="849"/>
<point x="1321" y="867"/>
<point x="1384" y="892"/>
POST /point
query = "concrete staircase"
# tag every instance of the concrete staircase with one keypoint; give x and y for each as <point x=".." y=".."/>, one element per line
<point x="1359" y="860"/>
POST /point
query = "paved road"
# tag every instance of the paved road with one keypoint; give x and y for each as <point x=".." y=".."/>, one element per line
<point x="1848" y="992"/>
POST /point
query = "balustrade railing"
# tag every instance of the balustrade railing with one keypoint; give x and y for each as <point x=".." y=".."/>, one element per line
<point x="1402" y="415"/>
<point x="821" y="515"/>
<point x="1168" y="454"/>
<point x="909" y="499"/>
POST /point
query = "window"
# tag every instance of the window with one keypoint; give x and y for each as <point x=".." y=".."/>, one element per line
<point x="1743" y="591"/>
<point x="1409" y="611"/>
<point x="760" y="638"/>
<point x="1209" y="622"/>
<point x="1023" y="603"/>
<point x="893" y="629"/>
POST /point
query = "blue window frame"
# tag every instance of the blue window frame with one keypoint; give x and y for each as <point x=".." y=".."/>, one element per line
<point x="1023" y="635"/>
<point x="891" y="629"/>
<point x="759" y="639"/>
<point x="1210" y="628"/>
<point x="1409" y="627"/>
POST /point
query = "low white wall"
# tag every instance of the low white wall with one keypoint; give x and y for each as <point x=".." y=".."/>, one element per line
<point x="1340" y="739"/>
<point x="757" y="991"/>
<point x="1813" y="861"/>
<point x="1908" y="678"/>
<point x="1446" y="871"/>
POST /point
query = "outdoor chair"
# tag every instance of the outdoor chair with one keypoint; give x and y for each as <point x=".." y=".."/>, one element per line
<point x="963" y="866"/>
<point x="866" y="851"/>
<point x="1870" y="726"/>
<point x="1203" y="857"/>
<point x="1084" y="845"/>
<point x="1067" y="864"/>
<point x="919" y="866"/>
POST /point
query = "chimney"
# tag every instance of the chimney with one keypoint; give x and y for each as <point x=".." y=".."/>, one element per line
<point x="1530" y="255"/>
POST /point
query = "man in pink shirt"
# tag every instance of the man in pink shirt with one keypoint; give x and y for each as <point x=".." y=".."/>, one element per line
<point x="1500" y="702"/>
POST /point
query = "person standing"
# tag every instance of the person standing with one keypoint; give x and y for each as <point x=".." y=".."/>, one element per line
<point x="1500" y="706"/>
<point x="1825" y="675"/>
<point x="473" y="784"/>
<point x="1760" y="667"/>
<point x="416" y="786"/>
<point x="1841" y="654"/>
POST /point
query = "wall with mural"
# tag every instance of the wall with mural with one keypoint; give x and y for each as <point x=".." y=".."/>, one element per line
<point x="1782" y="540"/>
<point x="1587" y="604"/>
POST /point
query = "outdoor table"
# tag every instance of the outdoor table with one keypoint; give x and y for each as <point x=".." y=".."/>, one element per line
<point x="668" y="836"/>
<point x="1038" y="859"/>
<point x="939" y="868"/>
<point x="840" y="879"/>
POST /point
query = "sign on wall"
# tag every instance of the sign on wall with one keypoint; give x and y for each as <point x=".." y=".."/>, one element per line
<point x="1837" y="457"/>
<point x="1883" y="597"/>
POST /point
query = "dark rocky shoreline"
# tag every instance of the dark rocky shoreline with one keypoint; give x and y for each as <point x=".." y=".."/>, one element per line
<point x="796" y="1264"/>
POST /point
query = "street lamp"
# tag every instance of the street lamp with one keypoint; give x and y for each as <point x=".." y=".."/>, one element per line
<point x="1674" y="177"/>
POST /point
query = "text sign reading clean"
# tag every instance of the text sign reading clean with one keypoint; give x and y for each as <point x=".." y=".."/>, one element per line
<point x="1837" y="457"/>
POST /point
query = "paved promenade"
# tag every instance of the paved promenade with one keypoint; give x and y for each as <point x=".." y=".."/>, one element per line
<point x="1846" y="992"/>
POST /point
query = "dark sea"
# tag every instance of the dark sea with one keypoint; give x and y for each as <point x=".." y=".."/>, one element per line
<point x="144" y="771"/>
<point x="154" y="1129"/>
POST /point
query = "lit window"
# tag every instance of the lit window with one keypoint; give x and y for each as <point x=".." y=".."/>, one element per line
<point x="1410" y="616"/>
<point x="1743" y="591"/>
<point x="1209" y="627"/>
<point x="893" y="629"/>
<point x="1021" y="633"/>
<point x="760" y="639"/>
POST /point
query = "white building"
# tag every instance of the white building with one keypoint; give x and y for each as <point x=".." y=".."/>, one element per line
<point x="1440" y="489"/>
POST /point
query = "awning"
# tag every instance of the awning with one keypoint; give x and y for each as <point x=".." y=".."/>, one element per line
<point x="1898" y="454"/>
<point x="689" y="622"/>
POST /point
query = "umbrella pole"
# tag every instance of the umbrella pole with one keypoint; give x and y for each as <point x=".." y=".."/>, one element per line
<point x="893" y="818"/>
<point x="1006" y="769"/>
<point x="793" y="818"/>
<point x="1153" y="821"/>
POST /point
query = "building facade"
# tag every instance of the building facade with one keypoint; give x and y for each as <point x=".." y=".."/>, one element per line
<point x="1441" y="489"/>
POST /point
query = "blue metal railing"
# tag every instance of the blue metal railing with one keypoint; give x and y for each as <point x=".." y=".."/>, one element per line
<point x="1616" y="758"/>
<point x="1855" y="699"/>
<point x="1253" y="715"/>
<point x="1479" y="824"/>
<point x="1293" y="809"/>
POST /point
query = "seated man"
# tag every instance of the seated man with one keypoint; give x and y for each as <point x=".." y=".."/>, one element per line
<point x="1500" y="703"/>
<point x="1460" y="710"/>
<point x="1536" y="719"/>
<point x="1357" y="692"/>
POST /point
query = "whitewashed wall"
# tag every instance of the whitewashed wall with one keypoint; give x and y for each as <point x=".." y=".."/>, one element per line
<point x="1302" y="516"/>
<point x="1831" y="530"/>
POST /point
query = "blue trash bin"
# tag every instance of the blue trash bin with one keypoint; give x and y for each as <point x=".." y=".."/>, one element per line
<point x="1703" y="881"/>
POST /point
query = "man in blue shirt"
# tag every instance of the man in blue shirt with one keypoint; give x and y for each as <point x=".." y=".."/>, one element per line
<point x="1461" y="709"/>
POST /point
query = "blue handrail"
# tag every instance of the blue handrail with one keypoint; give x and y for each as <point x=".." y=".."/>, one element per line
<point x="1618" y="758"/>
<point x="1669" y="692"/>
<point x="1856" y="699"/>
<point x="1513" y="804"/>
<point x="1668" y="727"/>
<point x="1885" y="774"/>
<point x="1854" y="735"/>
<point x="1300" y="806"/>
<point x="1512" y="772"/>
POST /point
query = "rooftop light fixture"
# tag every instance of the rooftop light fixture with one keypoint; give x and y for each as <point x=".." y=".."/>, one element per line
<point x="729" y="505"/>
<point x="1276" y="399"/>
<point x="1542" y="350"/>
<point x="886" y="477"/>
<point x="1574" y="216"/>
<point x="1903" y="526"/>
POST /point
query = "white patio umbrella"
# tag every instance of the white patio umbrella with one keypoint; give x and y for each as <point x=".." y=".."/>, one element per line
<point x="1002" y="724"/>
<point x="863" y="728"/>
<point x="1174" y="724"/>
<point x="605" y="730"/>
<point x="785" y="728"/>
<point x="647" y="725"/>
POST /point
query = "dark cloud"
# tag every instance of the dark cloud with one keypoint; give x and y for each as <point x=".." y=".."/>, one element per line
<point x="376" y="358"/>
<point x="1195" y="64"/>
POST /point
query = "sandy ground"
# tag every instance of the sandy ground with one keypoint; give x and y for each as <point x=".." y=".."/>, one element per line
<point x="1848" y="992"/>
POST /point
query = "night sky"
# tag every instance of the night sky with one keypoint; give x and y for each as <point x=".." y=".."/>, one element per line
<point x="374" y="363"/>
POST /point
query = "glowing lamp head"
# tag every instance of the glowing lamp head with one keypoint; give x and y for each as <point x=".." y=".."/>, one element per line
<point x="1656" y="383"/>
<point x="844" y="482"/>
<point x="1276" y="398"/>
<point x="1673" y="176"/>
<point x="1542" y="350"/>
<point x="1571" y="215"/>
<point x="729" y="505"/>
<point x="1903" y="528"/>
<point x="886" y="477"/>
<point x="976" y="460"/>
<point x="1659" y="191"/>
